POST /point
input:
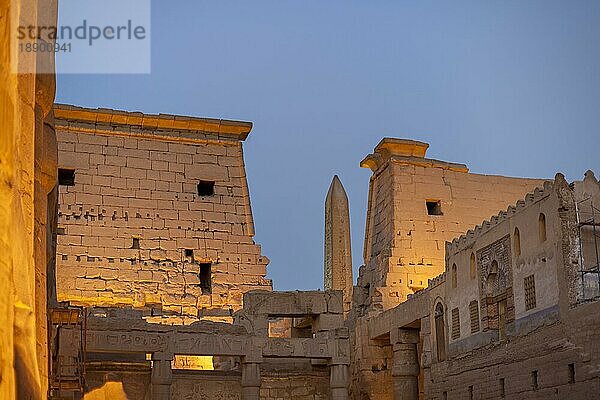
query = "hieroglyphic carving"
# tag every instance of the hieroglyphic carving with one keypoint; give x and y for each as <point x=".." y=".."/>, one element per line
<point x="296" y="347"/>
<point x="115" y="341"/>
<point x="209" y="344"/>
<point x="214" y="344"/>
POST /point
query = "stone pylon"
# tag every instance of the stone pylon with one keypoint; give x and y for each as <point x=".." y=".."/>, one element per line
<point x="338" y="252"/>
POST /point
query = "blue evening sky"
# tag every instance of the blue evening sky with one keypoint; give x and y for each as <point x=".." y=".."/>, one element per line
<point x="507" y="87"/>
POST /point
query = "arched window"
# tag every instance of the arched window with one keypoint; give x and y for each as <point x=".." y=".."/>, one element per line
<point x="454" y="277"/>
<point x="542" y="227"/>
<point x="473" y="267"/>
<point x="440" y="332"/>
<point x="494" y="267"/>
<point x="517" y="242"/>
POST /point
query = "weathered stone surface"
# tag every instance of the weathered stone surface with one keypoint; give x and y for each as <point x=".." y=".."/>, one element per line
<point x="405" y="237"/>
<point x="27" y="178"/>
<point x="120" y="331"/>
<point x="528" y="316"/>
<point x="338" y="252"/>
<point x="137" y="224"/>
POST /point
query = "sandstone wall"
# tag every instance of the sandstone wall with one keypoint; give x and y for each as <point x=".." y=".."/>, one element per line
<point x="134" y="229"/>
<point x="133" y="383"/>
<point x="404" y="240"/>
<point x="130" y="382"/>
<point x="275" y="386"/>
<point x="295" y="386"/>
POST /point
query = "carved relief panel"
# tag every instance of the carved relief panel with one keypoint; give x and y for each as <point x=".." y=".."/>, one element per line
<point x="494" y="263"/>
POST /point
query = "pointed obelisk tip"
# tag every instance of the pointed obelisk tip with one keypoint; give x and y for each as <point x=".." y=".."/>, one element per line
<point x="335" y="181"/>
<point x="336" y="186"/>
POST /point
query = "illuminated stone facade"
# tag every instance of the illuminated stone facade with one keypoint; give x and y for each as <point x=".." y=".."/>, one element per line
<point x="415" y="205"/>
<point x="154" y="213"/>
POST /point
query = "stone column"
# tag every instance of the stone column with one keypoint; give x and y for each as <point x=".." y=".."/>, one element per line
<point x="162" y="376"/>
<point x="405" y="372"/>
<point x="339" y="381"/>
<point x="250" y="381"/>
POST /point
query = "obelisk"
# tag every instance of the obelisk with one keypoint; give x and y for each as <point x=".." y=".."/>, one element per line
<point x="338" y="253"/>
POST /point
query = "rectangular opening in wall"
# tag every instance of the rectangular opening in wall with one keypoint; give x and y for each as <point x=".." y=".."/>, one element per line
<point x="206" y="188"/>
<point x="474" y="311"/>
<point x="572" y="373"/>
<point x="455" y="324"/>
<point x="291" y="327"/>
<point x="66" y="177"/>
<point x="434" y="207"/>
<point x="189" y="253"/>
<point x="470" y="392"/>
<point x="135" y="243"/>
<point x="534" y="380"/>
<point x="280" y="327"/>
<point x="445" y="395"/>
<point x="205" y="278"/>
<point x="529" y="284"/>
<point x="502" y="388"/>
<point x="192" y="363"/>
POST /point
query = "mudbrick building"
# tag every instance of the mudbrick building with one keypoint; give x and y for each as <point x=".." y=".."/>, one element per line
<point x="129" y="270"/>
<point x="514" y="315"/>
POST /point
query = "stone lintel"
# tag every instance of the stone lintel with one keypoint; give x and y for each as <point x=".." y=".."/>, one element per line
<point x="252" y="349"/>
<point x="292" y="304"/>
<point x="117" y="122"/>
<point x="404" y="336"/>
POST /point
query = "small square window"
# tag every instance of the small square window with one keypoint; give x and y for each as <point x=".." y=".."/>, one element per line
<point x="66" y="177"/>
<point x="206" y="188"/>
<point x="189" y="253"/>
<point x="434" y="207"/>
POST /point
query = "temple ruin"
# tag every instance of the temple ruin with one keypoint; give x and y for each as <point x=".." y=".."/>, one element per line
<point x="129" y="268"/>
<point x="154" y="211"/>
